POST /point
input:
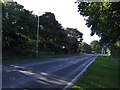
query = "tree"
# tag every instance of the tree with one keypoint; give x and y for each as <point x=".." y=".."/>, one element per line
<point x="84" y="47"/>
<point x="19" y="33"/>
<point x="52" y="35"/>
<point x="115" y="49"/>
<point x="18" y="27"/>
<point x="103" y="19"/>
<point x="74" y="37"/>
<point x="73" y="32"/>
<point x="95" y="46"/>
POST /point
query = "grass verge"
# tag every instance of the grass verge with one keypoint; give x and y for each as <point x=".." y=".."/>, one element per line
<point x="103" y="73"/>
<point x="117" y="59"/>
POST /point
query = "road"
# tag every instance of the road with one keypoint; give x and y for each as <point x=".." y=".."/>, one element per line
<point x="46" y="73"/>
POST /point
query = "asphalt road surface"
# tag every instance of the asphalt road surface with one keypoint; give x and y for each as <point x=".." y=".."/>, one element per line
<point x="46" y="73"/>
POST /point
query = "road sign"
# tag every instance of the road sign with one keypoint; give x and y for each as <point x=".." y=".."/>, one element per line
<point x="37" y="40"/>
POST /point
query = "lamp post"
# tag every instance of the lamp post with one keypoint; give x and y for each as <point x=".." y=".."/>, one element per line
<point x="37" y="37"/>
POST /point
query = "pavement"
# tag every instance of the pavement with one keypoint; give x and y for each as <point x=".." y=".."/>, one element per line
<point x="46" y="73"/>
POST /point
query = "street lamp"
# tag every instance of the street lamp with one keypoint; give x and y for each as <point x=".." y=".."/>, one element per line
<point x="37" y="37"/>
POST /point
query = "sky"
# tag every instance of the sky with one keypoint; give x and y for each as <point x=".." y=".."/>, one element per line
<point x="65" y="11"/>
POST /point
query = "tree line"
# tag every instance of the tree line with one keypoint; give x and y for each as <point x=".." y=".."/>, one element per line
<point x="20" y="28"/>
<point x="104" y="20"/>
<point x="19" y="34"/>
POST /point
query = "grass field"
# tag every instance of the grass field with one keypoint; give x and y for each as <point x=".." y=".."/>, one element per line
<point x="117" y="59"/>
<point x="103" y="73"/>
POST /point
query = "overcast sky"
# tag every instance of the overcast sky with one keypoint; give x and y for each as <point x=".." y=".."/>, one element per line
<point x="65" y="12"/>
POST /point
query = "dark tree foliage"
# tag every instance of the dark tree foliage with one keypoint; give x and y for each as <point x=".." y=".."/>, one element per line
<point x="52" y="35"/>
<point x="95" y="46"/>
<point x="18" y="28"/>
<point x="103" y="19"/>
<point x="19" y="33"/>
<point x="84" y="47"/>
<point x="74" y="38"/>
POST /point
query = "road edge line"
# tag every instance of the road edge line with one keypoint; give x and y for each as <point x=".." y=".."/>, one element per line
<point x="76" y="78"/>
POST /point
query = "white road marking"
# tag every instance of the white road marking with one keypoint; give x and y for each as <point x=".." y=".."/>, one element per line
<point x="42" y="76"/>
<point x="71" y="83"/>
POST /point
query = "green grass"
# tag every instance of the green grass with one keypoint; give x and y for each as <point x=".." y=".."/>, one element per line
<point x="103" y="73"/>
<point x="117" y="59"/>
